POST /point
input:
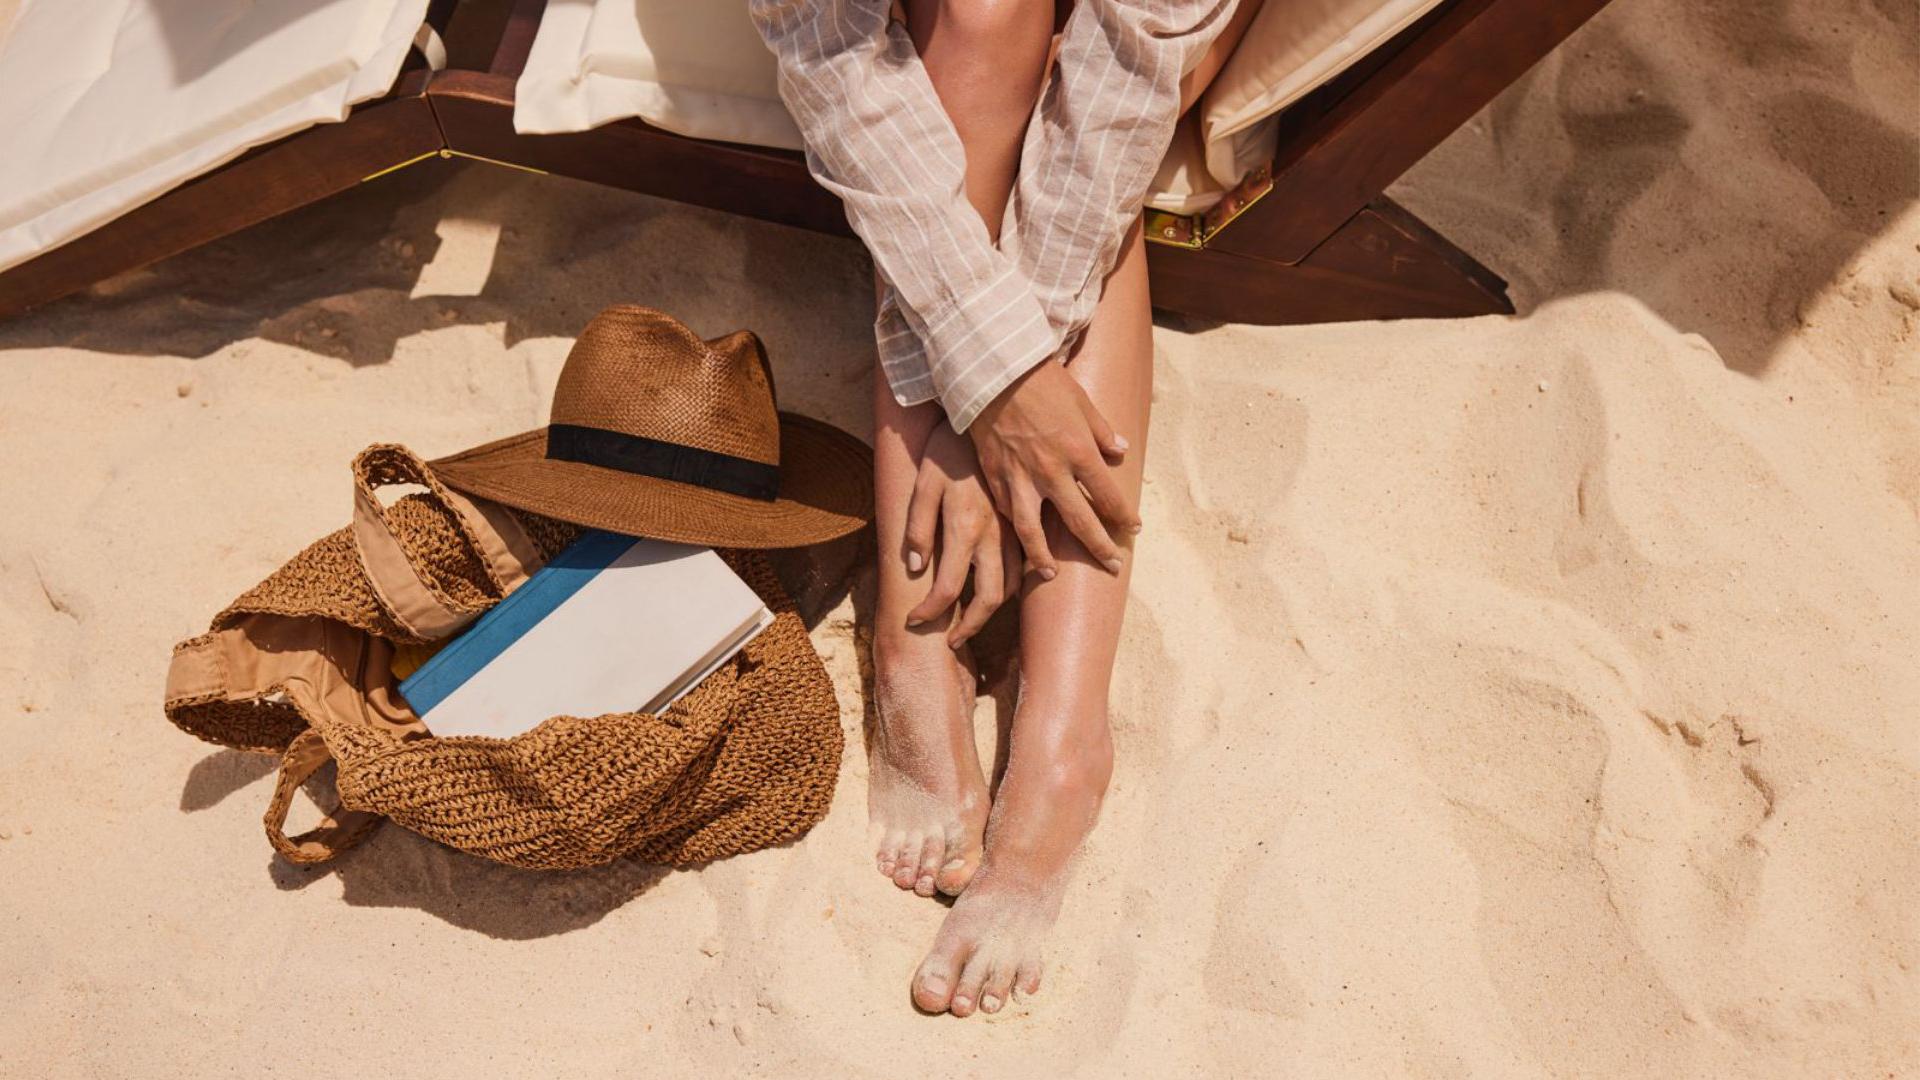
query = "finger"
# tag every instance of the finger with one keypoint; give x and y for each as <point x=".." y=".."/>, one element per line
<point x="948" y="578"/>
<point x="1108" y="499"/>
<point x="989" y="592"/>
<point x="998" y="484"/>
<point x="1111" y="442"/>
<point x="923" y="515"/>
<point x="1032" y="534"/>
<point x="1078" y="516"/>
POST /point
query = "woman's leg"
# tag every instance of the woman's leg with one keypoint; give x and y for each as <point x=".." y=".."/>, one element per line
<point x="1061" y="751"/>
<point x="927" y="796"/>
<point x="985" y="59"/>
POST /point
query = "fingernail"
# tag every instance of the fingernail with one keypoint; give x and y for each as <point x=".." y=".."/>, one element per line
<point x="913" y="620"/>
<point x="1120" y="442"/>
<point x="1136" y="527"/>
<point x="1046" y="573"/>
<point x="914" y="562"/>
<point x="1114" y="564"/>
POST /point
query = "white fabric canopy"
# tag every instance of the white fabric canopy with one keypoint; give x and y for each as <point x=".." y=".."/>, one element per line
<point x="700" y="69"/>
<point x="107" y="104"/>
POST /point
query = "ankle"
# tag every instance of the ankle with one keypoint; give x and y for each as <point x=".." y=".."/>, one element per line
<point x="905" y="658"/>
<point x="1071" y="763"/>
<point x="1048" y="803"/>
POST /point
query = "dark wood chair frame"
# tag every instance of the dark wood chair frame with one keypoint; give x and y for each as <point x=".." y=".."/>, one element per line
<point x="1309" y="238"/>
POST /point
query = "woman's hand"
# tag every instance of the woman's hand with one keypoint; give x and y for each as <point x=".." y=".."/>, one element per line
<point x="950" y="498"/>
<point x="1042" y="440"/>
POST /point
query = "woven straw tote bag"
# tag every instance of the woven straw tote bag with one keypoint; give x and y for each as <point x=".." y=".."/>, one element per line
<point x="300" y="667"/>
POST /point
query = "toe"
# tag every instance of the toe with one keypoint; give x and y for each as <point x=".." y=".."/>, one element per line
<point x="1027" y="978"/>
<point x="997" y="989"/>
<point x="933" y="983"/>
<point x="932" y="854"/>
<point x="906" y="862"/>
<point x="966" y="993"/>
<point x="963" y="858"/>
<point x="887" y="853"/>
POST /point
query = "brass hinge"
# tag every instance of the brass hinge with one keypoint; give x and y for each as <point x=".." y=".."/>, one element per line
<point x="1193" y="231"/>
<point x="1173" y="230"/>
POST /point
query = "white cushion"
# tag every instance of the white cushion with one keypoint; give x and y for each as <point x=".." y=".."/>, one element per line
<point x="107" y="104"/>
<point x="700" y="69"/>
<point x="1292" y="48"/>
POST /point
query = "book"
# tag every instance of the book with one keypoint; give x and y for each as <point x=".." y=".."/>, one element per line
<point x="612" y="624"/>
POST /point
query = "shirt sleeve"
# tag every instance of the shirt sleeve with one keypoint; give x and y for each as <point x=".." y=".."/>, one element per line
<point x="958" y="319"/>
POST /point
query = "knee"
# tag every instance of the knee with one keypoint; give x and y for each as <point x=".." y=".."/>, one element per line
<point x="990" y="26"/>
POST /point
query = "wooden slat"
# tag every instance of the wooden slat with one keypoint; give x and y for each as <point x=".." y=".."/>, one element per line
<point x="267" y="182"/>
<point x="476" y="114"/>
<point x="1334" y="157"/>
<point x="1384" y="263"/>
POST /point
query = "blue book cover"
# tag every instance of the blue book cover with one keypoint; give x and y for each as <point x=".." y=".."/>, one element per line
<point x="506" y="622"/>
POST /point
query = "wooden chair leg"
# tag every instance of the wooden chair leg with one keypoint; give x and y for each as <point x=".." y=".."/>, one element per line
<point x="1340" y="149"/>
<point x="1384" y="263"/>
<point x="265" y="183"/>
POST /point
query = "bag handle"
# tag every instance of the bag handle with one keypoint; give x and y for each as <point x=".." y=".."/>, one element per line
<point x="416" y="603"/>
<point x="266" y="654"/>
<point x="338" y="830"/>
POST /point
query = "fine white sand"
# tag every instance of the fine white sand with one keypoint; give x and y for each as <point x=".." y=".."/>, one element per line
<point x="1500" y="697"/>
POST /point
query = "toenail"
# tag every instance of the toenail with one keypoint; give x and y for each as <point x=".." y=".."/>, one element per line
<point x="955" y="864"/>
<point x="961" y="1001"/>
<point x="934" y="984"/>
<point x="990" y="1003"/>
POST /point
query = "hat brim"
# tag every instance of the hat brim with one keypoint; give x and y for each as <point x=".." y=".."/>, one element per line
<point x="826" y="491"/>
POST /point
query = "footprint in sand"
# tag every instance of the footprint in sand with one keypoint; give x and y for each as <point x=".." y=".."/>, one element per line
<point x="1730" y="795"/>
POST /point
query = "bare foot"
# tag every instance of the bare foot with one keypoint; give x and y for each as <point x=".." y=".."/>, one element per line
<point x="926" y="796"/>
<point x="990" y="943"/>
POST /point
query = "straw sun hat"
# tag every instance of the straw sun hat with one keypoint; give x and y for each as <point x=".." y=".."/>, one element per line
<point x="657" y="433"/>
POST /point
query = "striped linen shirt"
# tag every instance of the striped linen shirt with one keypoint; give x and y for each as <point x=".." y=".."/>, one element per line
<point x="961" y="317"/>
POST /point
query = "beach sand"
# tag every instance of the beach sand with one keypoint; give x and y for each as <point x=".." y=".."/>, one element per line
<point x="1499" y="697"/>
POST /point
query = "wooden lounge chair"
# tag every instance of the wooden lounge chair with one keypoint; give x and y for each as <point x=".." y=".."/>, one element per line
<point x="1308" y="237"/>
